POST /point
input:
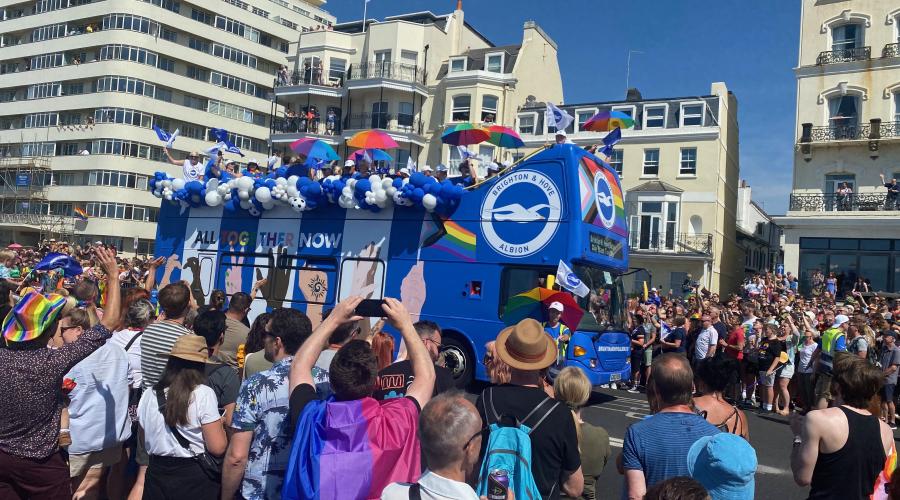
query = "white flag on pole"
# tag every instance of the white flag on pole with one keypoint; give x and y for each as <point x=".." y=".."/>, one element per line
<point x="570" y="281"/>
<point x="558" y="118"/>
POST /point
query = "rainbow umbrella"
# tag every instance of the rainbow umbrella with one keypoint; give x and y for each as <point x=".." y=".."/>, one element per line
<point x="504" y="137"/>
<point x="374" y="155"/>
<point x="534" y="303"/>
<point x="605" y="121"/>
<point x="463" y="134"/>
<point x="371" y="139"/>
<point x="314" y="149"/>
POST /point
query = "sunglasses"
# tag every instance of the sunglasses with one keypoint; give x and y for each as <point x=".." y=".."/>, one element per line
<point x="477" y="434"/>
<point x="67" y="328"/>
<point x="437" y="344"/>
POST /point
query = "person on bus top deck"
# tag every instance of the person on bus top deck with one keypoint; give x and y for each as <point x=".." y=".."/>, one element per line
<point x="348" y="170"/>
<point x="493" y="169"/>
<point x="428" y="171"/>
<point x="252" y="169"/>
<point x="190" y="166"/>
<point x="362" y="170"/>
<point x="563" y="138"/>
<point x="466" y="177"/>
<point x="440" y="172"/>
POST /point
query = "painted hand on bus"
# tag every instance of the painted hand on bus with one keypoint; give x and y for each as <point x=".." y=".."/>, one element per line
<point x="413" y="291"/>
<point x="278" y="280"/>
<point x="171" y="265"/>
<point x="314" y="287"/>
<point x="364" y="275"/>
<point x="233" y="278"/>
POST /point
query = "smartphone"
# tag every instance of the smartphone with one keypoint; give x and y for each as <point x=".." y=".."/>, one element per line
<point x="370" y="308"/>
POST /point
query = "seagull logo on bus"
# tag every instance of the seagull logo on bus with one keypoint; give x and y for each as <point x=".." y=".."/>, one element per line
<point x="604" y="200"/>
<point x="517" y="213"/>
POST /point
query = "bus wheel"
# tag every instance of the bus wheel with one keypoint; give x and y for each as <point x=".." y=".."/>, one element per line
<point x="459" y="359"/>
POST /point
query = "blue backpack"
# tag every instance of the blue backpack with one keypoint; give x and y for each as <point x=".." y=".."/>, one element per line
<point x="509" y="446"/>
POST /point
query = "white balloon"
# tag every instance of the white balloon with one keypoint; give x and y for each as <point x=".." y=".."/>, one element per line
<point x="351" y="183"/>
<point x="268" y="205"/>
<point x="212" y="184"/>
<point x="222" y="189"/>
<point x="429" y="201"/>
<point x="245" y="204"/>
<point x="390" y="191"/>
<point x="292" y="191"/>
<point x="380" y="196"/>
<point x="375" y="179"/>
<point x="227" y="196"/>
<point x="213" y="198"/>
<point x="245" y="183"/>
<point x="405" y="181"/>
<point x="281" y="181"/>
<point x="347" y="191"/>
<point x="178" y="184"/>
<point x="292" y="180"/>
<point x="243" y="195"/>
<point x="387" y="183"/>
<point x="263" y="194"/>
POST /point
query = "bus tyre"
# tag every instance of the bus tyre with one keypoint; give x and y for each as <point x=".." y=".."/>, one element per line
<point x="459" y="359"/>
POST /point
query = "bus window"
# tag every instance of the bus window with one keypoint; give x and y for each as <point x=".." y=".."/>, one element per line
<point x="516" y="280"/>
<point x="604" y="306"/>
<point x="362" y="276"/>
<point x="314" y="277"/>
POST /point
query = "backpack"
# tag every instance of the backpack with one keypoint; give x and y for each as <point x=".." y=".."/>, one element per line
<point x="509" y="446"/>
<point x="871" y="352"/>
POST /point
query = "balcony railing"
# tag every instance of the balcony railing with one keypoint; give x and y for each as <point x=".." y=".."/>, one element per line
<point x="891" y="50"/>
<point x="844" y="55"/>
<point x="296" y="124"/>
<point x="391" y="71"/>
<point x="384" y="121"/>
<point x="861" y="202"/>
<point x="854" y="132"/>
<point x="676" y="243"/>
<point x="309" y="77"/>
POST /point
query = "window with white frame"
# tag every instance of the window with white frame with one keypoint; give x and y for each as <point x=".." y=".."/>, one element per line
<point x="692" y="114"/>
<point x="688" y="161"/>
<point x="897" y="107"/>
<point x="494" y="63"/>
<point x="846" y="37"/>
<point x="489" y="108"/>
<point x="651" y="163"/>
<point x="843" y="110"/>
<point x="582" y="116"/>
<point x="615" y="160"/>
<point x="628" y="110"/>
<point x="405" y="114"/>
<point x="409" y="58"/>
<point x="462" y="104"/>
<point x="655" y="116"/>
<point x="336" y="69"/>
<point x="457" y="64"/>
<point x="526" y="123"/>
<point x="654" y="226"/>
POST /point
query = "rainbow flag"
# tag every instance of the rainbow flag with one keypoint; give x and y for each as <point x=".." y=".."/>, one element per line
<point x="458" y="241"/>
<point x="589" y="169"/>
<point x="352" y="449"/>
<point x="80" y="214"/>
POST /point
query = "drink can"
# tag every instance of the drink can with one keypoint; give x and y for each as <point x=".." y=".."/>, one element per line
<point x="498" y="485"/>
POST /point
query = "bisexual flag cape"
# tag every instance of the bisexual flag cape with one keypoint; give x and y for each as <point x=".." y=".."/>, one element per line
<point x="352" y="449"/>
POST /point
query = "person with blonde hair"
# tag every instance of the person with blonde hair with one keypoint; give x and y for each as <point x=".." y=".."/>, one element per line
<point x="573" y="388"/>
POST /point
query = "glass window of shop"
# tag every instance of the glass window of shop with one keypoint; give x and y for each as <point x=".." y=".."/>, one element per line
<point x="875" y="260"/>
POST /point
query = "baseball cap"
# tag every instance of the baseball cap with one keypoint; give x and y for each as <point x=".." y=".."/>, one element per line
<point x="725" y="464"/>
<point x="493" y="167"/>
<point x="839" y="320"/>
<point x="427" y="168"/>
<point x="253" y="161"/>
<point x="441" y="167"/>
<point x="562" y="133"/>
<point x="404" y="171"/>
<point x="557" y="306"/>
<point x="349" y="163"/>
<point x="654" y="290"/>
<point x="194" y="153"/>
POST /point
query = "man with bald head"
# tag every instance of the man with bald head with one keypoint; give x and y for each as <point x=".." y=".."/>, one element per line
<point x="648" y="460"/>
<point x="450" y="436"/>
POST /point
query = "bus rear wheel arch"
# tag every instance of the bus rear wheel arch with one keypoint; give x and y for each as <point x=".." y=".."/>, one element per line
<point x="458" y="357"/>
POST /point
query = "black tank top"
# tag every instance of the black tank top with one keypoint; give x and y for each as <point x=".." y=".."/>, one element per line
<point x="850" y="472"/>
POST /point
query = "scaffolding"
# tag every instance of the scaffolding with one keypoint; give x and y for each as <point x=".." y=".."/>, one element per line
<point x="24" y="203"/>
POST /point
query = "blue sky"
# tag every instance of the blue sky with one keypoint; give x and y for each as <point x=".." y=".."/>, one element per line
<point x="686" y="45"/>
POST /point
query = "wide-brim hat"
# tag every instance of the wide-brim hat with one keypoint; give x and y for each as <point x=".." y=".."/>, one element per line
<point x="189" y="347"/>
<point x="31" y="315"/>
<point x="526" y="346"/>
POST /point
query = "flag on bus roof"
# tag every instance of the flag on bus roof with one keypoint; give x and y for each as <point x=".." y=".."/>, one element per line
<point x="558" y="118"/>
<point x="570" y="281"/>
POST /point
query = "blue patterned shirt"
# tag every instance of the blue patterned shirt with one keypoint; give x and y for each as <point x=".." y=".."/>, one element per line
<point x="262" y="408"/>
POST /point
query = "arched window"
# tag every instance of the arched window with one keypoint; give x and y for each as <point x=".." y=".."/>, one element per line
<point x="462" y="104"/>
<point x="846" y="37"/>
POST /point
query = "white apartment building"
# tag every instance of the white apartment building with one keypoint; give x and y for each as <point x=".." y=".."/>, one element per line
<point x="757" y="234"/>
<point x="847" y="132"/>
<point x="411" y="75"/>
<point x="82" y="82"/>
<point x="679" y="169"/>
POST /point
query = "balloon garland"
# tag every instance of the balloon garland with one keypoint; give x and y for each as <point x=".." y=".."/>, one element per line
<point x="257" y="195"/>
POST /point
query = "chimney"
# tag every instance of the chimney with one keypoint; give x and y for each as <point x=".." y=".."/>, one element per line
<point x="458" y="4"/>
<point x="458" y="27"/>
<point x="633" y="95"/>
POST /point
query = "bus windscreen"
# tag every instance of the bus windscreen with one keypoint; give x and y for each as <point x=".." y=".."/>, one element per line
<point x="604" y="306"/>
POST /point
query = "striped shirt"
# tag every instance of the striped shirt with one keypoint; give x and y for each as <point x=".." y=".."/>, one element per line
<point x="156" y="343"/>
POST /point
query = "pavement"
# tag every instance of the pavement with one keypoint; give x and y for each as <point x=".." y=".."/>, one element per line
<point x="771" y="436"/>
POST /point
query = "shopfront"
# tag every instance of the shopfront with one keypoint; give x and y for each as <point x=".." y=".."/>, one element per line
<point x="875" y="260"/>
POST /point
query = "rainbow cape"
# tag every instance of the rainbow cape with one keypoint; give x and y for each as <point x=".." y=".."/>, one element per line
<point x="352" y="449"/>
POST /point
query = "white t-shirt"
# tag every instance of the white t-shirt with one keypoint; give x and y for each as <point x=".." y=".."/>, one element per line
<point x="192" y="172"/>
<point x="707" y="337"/>
<point x="98" y="411"/>
<point x="121" y="338"/>
<point x="806" y="354"/>
<point x="159" y="440"/>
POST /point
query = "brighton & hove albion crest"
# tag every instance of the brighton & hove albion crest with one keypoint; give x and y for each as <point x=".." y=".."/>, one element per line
<point x="521" y="213"/>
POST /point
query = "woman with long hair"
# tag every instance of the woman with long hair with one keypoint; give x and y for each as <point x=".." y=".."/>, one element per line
<point x="181" y="424"/>
<point x="573" y="388"/>
<point x="789" y="334"/>
<point x="712" y="380"/>
<point x="254" y="357"/>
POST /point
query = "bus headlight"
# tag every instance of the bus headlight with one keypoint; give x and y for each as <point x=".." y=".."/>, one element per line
<point x="594" y="363"/>
<point x="579" y="351"/>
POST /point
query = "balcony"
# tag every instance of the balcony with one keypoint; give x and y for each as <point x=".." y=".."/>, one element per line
<point x="856" y="202"/>
<point x="891" y="50"/>
<point x="290" y="129"/>
<point x="854" y="132"/>
<point x="678" y="244"/>
<point x="844" y="55"/>
<point x="387" y="75"/>
<point x="310" y="82"/>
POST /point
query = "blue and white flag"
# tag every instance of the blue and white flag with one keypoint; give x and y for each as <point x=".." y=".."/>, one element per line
<point x="558" y="118"/>
<point x="220" y="134"/>
<point x="411" y="165"/>
<point x="610" y="140"/>
<point x="570" y="281"/>
<point x="464" y="153"/>
<point x="166" y="137"/>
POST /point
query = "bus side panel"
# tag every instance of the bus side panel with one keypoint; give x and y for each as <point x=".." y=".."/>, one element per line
<point x="199" y="256"/>
<point x="235" y="273"/>
<point x="170" y="242"/>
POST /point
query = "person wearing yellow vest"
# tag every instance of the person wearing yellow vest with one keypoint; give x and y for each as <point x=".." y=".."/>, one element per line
<point x="834" y="340"/>
<point x="556" y="329"/>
